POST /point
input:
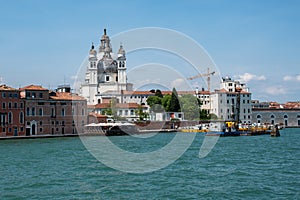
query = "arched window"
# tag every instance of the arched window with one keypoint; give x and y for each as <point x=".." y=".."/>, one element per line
<point x="27" y="111"/>
<point x="41" y="112"/>
<point x="33" y="111"/>
<point x="21" y="117"/>
<point x="285" y="116"/>
<point x="272" y="116"/>
<point x="10" y="118"/>
<point x="258" y="116"/>
<point x="63" y="112"/>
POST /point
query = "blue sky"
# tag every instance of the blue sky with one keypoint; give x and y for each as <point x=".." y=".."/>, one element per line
<point x="45" y="42"/>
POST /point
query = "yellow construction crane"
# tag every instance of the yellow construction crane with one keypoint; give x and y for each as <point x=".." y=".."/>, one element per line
<point x="208" y="74"/>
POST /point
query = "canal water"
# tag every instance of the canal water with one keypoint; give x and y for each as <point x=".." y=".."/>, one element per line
<point x="249" y="167"/>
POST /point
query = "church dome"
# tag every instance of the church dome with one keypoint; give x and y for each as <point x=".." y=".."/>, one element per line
<point x="121" y="50"/>
<point x="93" y="52"/>
<point x="108" y="66"/>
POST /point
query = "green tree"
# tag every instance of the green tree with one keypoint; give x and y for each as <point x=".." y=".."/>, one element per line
<point x="166" y="102"/>
<point x="152" y="100"/>
<point x="158" y="93"/>
<point x="190" y="107"/>
<point x="141" y="114"/>
<point x="174" y="103"/>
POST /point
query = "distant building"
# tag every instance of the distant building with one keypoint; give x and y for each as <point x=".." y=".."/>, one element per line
<point x="34" y="110"/>
<point x="11" y="112"/>
<point x="232" y="101"/>
<point x="287" y="115"/>
<point x="105" y="76"/>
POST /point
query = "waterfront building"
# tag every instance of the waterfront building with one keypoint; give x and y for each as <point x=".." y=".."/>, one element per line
<point x="287" y="115"/>
<point x="105" y="76"/>
<point x="232" y="101"/>
<point x="52" y="112"/>
<point x="11" y="112"/>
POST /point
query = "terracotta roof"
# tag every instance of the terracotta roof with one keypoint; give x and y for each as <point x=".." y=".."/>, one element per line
<point x="292" y="105"/>
<point x="33" y="87"/>
<point x="118" y="105"/>
<point x="67" y="96"/>
<point x="203" y="92"/>
<point x="137" y="93"/>
<point x="5" y="87"/>
<point x="151" y="93"/>
<point x="97" y="115"/>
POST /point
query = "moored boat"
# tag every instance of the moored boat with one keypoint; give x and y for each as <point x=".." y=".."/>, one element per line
<point x="111" y="129"/>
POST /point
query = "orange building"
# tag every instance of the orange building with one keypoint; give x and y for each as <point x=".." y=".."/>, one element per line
<point x="11" y="112"/>
<point x="52" y="112"/>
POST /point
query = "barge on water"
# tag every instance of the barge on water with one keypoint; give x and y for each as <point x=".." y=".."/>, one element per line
<point x="223" y="129"/>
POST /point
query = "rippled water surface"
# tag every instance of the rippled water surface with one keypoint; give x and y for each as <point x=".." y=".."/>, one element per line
<point x="256" y="167"/>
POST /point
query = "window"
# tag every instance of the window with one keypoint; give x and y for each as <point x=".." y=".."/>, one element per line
<point x="40" y="112"/>
<point x="10" y="118"/>
<point x="21" y="105"/>
<point x="272" y="116"/>
<point x="33" y="111"/>
<point x="131" y="112"/>
<point x="52" y="112"/>
<point x="63" y="123"/>
<point x="298" y="122"/>
<point x="3" y="95"/>
<point x="82" y="111"/>
<point x="285" y="116"/>
<point x="9" y="105"/>
<point x="126" y="112"/>
<point x="21" y="129"/>
<point x="106" y="78"/>
<point x="15" y="95"/>
<point x="33" y="95"/>
<point x="3" y="105"/>
<point x="15" y="105"/>
<point x="63" y="112"/>
<point x="21" y="118"/>
<point x="27" y="94"/>
<point x="41" y="123"/>
<point x="41" y="130"/>
<point x="258" y="116"/>
<point x="27" y="111"/>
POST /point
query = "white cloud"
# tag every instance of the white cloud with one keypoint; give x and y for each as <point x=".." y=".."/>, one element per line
<point x="287" y="78"/>
<point x="275" y="90"/>
<point x="246" y="77"/>
<point x="177" y="83"/>
<point x="292" y="78"/>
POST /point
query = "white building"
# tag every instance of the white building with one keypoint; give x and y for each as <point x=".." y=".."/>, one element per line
<point x="232" y="101"/>
<point x="105" y="74"/>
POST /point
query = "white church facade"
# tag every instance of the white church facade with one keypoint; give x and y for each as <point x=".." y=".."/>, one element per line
<point x="105" y="76"/>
